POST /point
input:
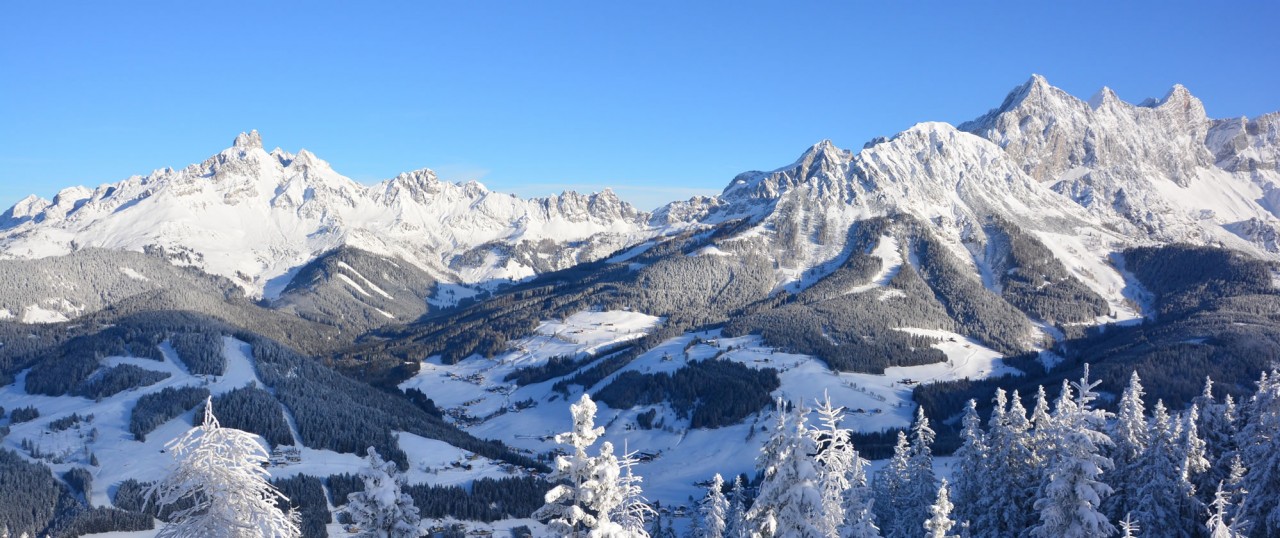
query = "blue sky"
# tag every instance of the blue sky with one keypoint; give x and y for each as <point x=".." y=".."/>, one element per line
<point x="660" y="100"/>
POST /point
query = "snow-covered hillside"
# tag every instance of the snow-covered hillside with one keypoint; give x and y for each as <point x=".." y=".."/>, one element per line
<point x="474" y="393"/>
<point x="253" y="215"/>
<point x="102" y="435"/>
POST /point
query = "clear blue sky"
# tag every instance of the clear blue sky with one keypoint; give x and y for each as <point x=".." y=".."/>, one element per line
<point x="660" y="100"/>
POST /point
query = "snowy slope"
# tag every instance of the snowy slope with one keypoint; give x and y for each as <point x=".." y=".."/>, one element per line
<point x="121" y="457"/>
<point x="951" y="181"/>
<point x="253" y="215"/>
<point x="473" y="393"/>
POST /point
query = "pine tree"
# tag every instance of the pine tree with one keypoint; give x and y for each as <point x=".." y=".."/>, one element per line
<point x="1220" y="524"/>
<point x="939" y="523"/>
<point x="1073" y="492"/>
<point x="973" y="465"/>
<point x="1194" y="448"/>
<point x="846" y="510"/>
<point x="1165" y="501"/>
<point x="595" y="492"/>
<point x="1128" y="528"/>
<point x="736" y="522"/>
<point x="922" y="485"/>
<point x="1013" y="464"/>
<point x="1217" y="426"/>
<point x="1260" y="452"/>
<point x="1129" y="432"/>
<point x="220" y="472"/>
<point x="835" y="460"/>
<point x="790" y="500"/>
<point x="604" y="492"/>
<point x="566" y="509"/>
<point x="713" y="510"/>
<point x="634" y="510"/>
<point x="382" y="509"/>
<point x="891" y="489"/>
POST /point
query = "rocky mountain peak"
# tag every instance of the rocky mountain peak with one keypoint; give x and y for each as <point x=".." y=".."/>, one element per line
<point x="248" y="140"/>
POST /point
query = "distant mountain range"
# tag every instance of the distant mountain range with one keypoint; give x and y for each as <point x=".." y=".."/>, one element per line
<point x="924" y="269"/>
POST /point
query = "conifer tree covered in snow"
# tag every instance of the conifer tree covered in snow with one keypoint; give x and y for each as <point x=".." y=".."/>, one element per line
<point x="736" y="524"/>
<point x="1129" y="433"/>
<point x="790" y="501"/>
<point x="1260" y="454"/>
<point x="595" y="499"/>
<point x="220" y="474"/>
<point x="634" y="510"/>
<point x="383" y="509"/>
<point x="1073" y="491"/>
<point x="713" y="510"/>
<point x="939" y="523"/>
<point x="973" y="461"/>
<point x="1012" y="466"/>
<point x="566" y="505"/>
<point x="1217" y="425"/>
<point x="906" y="487"/>
<point x="846" y="500"/>
<point x="1129" y="528"/>
<point x="1220" y="524"/>
<point x="890" y="491"/>
<point x="1164" y="500"/>
<point x="922" y="485"/>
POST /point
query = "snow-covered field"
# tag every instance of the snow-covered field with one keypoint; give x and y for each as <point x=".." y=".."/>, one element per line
<point x="474" y="388"/>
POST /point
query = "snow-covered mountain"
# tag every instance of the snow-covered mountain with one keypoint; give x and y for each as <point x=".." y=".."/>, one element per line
<point x="254" y="216"/>
<point x="1160" y="170"/>
<point x="941" y="256"/>
<point x="1086" y="178"/>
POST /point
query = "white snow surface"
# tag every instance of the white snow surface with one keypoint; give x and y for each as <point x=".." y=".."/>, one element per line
<point x="121" y="457"/>
<point x="253" y="215"/>
<point x="474" y="388"/>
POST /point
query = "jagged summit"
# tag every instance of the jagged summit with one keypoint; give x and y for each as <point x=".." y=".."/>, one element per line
<point x="248" y="140"/>
<point x="1043" y="158"/>
<point x="254" y="216"/>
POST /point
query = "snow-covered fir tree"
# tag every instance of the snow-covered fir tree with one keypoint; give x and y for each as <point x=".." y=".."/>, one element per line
<point x="1012" y="463"/>
<point x="1072" y="493"/>
<point x="846" y="500"/>
<point x="220" y="484"/>
<point x="594" y="498"/>
<point x="922" y="485"/>
<point x="567" y="510"/>
<point x="890" y="491"/>
<point x="973" y="462"/>
<point x="939" y="523"/>
<point x="1259" y="447"/>
<point x="713" y="510"/>
<point x="1195" y="451"/>
<point x="382" y="509"/>
<point x="1128" y="527"/>
<point x="1164" y="500"/>
<point x="1129" y="435"/>
<point x="736" y="525"/>
<point x="1218" y="427"/>
<point x="634" y="510"/>
<point x="790" y="501"/>
<point x="1220" y="524"/>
